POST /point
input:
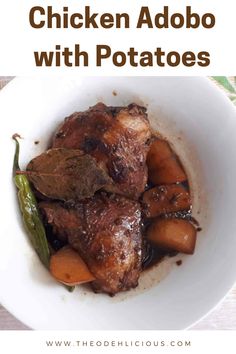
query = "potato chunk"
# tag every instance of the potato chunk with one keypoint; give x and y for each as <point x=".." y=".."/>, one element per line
<point x="158" y="151"/>
<point x="173" y="235"/>
<point x="67" y="266"/>
<point x="163" y="164"/>
<point x="165" y="199"/>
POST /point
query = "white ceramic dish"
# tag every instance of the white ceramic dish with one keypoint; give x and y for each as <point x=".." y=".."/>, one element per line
<point x="201" y="123"/>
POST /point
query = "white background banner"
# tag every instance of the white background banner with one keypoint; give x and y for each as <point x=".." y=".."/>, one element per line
<point x="19" y="40"/>
<point x="148" y="342"/>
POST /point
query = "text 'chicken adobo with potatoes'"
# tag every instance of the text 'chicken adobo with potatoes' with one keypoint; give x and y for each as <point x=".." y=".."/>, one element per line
<point x="112" y="199"/>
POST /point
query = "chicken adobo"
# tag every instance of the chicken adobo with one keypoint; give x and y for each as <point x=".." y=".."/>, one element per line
<point x="111" y="194"/>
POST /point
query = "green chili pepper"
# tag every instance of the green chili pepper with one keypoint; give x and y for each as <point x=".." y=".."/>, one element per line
<point x="29" y="210"/>
<point x="30" y="213"/>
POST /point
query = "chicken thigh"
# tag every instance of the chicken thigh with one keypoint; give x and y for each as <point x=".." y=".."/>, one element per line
<point x="106" y="231"/>
<point x="117" y="137"/>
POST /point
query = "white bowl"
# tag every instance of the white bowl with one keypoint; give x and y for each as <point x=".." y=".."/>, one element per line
<point x="201" y="123"/>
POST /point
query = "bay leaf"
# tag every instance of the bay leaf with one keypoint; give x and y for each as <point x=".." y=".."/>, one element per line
<point x="66" y="174"/>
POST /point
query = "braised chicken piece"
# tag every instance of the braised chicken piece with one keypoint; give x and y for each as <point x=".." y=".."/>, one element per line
<point x="106" y="232"/>
<point x="117" y="137"/>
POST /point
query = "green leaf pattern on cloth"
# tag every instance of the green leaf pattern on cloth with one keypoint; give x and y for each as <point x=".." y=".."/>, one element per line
<point x="228" y="84"/>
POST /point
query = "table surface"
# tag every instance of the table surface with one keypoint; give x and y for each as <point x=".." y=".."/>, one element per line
<point x="222" y="317"/>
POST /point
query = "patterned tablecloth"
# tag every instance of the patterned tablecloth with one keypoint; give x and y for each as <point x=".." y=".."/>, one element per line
<point x="222" y="317"/>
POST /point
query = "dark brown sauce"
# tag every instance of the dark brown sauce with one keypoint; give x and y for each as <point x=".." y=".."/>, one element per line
<point x="179" y="262"/>
<point x="153" y="256"/>
<point x="54" y="242"/>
